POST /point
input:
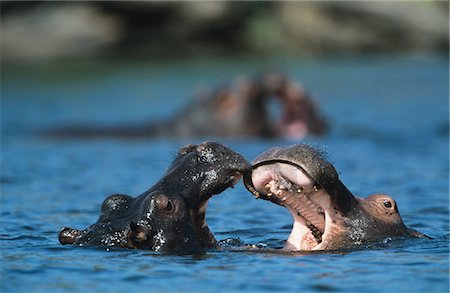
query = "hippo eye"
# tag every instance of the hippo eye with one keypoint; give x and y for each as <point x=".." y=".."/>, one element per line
<point x="387" y="204"/>
<point x="170" y="206"/>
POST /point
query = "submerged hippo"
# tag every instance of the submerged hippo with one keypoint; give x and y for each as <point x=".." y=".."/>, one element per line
<point x="326" y="214"/>
<point x="170" y="216"/>
<point x="270" y="105"/>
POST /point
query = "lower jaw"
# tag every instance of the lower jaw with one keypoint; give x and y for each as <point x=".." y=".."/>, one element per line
<point x="300" y="247"/>
<point x="301" y="239"/>
<point x="289" y="247"/>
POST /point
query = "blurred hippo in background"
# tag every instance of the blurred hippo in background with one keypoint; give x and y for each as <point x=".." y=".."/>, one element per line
<point x="270" y="106"/>
<point x="170" y="216"/>
<point x="327" y="216"/>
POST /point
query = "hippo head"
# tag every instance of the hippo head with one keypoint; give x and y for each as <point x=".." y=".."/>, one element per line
<point x="170" y="216"/>
<point x="200" y="171"/>
<point x="270" y="105"/>
<point x="174" y="211"/>
<point x="327" y="216"/>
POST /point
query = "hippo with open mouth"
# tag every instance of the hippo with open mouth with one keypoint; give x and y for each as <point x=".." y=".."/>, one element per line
<point x="326" y="214"/>
<point x="269" y="105"/>
<point x="170" y="216"/>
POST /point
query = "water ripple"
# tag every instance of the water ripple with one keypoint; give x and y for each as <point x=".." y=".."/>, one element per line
<point x="378" y="144"/>
<point x="22" y="237"/>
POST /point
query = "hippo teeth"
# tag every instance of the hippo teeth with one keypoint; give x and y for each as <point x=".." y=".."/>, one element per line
<point x="315" y="231"/>
<point x="250" y="187"/>
<point x="298" y="199"/>
<point x="315" y="222"/>
<point x="290" y="186"/>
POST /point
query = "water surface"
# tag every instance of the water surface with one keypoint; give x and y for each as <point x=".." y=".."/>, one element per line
<point x="389" y="119"/>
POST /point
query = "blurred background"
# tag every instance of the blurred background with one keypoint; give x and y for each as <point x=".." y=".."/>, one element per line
<point x="155" y="29"/>
<point x="215" y="56"/>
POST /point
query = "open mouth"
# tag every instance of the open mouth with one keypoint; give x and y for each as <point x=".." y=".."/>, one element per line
<point x="288" y="185"/>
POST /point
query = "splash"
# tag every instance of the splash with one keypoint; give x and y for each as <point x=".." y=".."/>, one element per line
<point x="210" y="177"/>
<point x="358" y="234"/>
<point x="115" y="239"/>
<point x="159" y="240"/>
<point x="208" y="155"/>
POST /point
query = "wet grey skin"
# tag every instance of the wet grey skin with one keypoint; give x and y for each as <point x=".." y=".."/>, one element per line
<point x="327" y="216"/>
<point x="170" y="216"/>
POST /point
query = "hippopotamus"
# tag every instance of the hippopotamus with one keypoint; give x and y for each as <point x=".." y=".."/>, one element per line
<point x="327" y="216"/>
<point x="170" y="216"/>
<point x="269" y="105"/>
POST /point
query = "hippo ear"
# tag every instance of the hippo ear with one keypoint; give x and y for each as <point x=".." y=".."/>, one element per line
<point x="138" y="233"/>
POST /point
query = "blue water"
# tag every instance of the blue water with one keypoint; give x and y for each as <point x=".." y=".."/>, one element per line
<point x="389" y="119"/>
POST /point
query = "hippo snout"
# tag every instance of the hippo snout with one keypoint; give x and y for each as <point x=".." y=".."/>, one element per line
<point x="68" y="235"/>
<point x="242" y="166"/>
